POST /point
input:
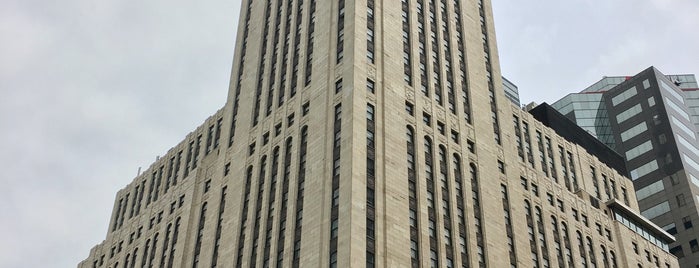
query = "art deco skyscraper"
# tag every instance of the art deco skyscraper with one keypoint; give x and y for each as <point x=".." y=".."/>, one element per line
<point x="372" y="133"/>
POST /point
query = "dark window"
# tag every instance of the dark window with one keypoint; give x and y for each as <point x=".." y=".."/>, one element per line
<point x="251" y="148"/>
<point x="677" y="251"/>
<point x="370" y="86"/>
<point x="265" y="138"/>
<point x="278" y="129"/>
<point x="535" y="190"/>
<point x="290" y="120"/>
<point x="471" y="146"/>
<point x="207" y="186"/>
<point x="305" y="109"/>
<point x="455" y="136"/>
<point x="409" y="108"/>
<point x="338" y="86"/>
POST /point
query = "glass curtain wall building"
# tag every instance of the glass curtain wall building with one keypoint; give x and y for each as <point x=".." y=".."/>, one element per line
<point x="650" y="119"/>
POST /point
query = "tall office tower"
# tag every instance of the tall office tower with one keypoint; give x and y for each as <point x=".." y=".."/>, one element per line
<point x="651" y="119"/>
<point x="373" y="134"/>
<point x="511" y="91"/>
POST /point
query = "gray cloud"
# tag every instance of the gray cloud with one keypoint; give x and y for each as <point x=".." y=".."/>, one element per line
<point x="91" y="90"/>
<point x="552" y="48"/>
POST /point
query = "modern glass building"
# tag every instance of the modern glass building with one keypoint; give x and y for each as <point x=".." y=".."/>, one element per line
<point x="650" y="119"/>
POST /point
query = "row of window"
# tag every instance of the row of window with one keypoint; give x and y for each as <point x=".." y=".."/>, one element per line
<point x="444" y="216"/>
<point x="412" y="200"/>
<point x="407" y="46"/>
<point x="261" y="66"/>
<point x="148" y="259"/>
<point x="370" y="186"/>
<point x="134" y="201"/>
<point x="370" y="21"/>
<point x="271" y="203"/>
<point x="489" y="75"/>
<point x="508" y="226"/>
<point x="340" y="31"/>
<point x="334" y="211"/>
<point x="284" y="51"/>
<point x="268" y="185"/>
<point x="290" y="119"/>
<point x="244" y="217"/>
<point x="241" y="69"/>
<point x="641" y="230"/>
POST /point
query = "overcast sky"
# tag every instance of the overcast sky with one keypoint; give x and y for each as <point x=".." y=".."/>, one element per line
<point x="92" y="90"/>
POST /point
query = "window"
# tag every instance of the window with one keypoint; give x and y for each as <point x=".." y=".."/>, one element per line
<point x="290" y="120"/>
<point x="305" y="109"/>
<point x="455" y="136"/>
<point x="549" y="198"/>
<point x="623" y="116"/>
<point x="677" y="251"/>
<point x="535" y="190"/>
<point x="624" y="96"/>
<point x="207" y="186"/>
<point x="333" y="229"/>
<point x="524" y="182"/>
<point x="634" y="131"/>
<point x="638" y="150"/>
<point x="227" y="169"/>
<point x="656" y="210"/>
<point x="575" y="214"/>
<point x="644" y="169"/>
<point x="427" y="119"/>
<point x="338" y="86"/>
<point x="670" y="228"/>
<point x="409" y="108"/>
<point x="251" y="148"/>
<point x="681" y="201"/>
<point x="440" y="127"/>
<point x="560" y="205"/>
<point x="278" y="129"/>
<point x="265" y="138"/>
<point x="370" y="86"/>
<point x="647" y="255"/>
<point x="687" y="222"/>
<point x="501" y="167"/>
<point x="634" y="246"/>
<point x="650" y="190"/>
<point x="471" y="146"/>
